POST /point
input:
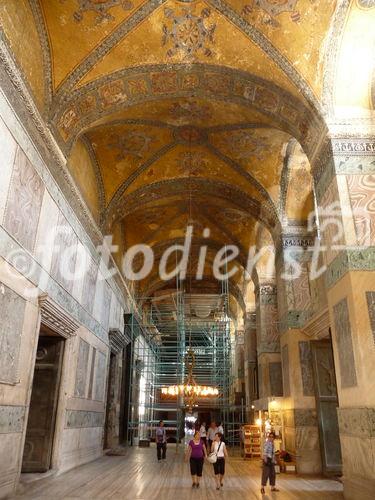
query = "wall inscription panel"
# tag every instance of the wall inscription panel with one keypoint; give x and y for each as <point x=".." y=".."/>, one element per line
<point x="82" y="367"/>
<point x="12" y="311"/>
<point x="345" y="344"/>
<point x="305" y="356"/>
<point x="24" y="202"/>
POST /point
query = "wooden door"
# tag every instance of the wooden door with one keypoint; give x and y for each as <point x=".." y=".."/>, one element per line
<point x="43" y="405"/>
<point x="326" y="404"/>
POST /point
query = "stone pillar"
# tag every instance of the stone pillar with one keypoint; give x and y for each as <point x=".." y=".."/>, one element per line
<point x="344" y="175"/>
<point x="250" y="363"/>
<point x="301" y="433"/>
<point x="268" y="342"/>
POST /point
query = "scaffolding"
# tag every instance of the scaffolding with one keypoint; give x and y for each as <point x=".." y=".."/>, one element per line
<point x="161" y="332"/>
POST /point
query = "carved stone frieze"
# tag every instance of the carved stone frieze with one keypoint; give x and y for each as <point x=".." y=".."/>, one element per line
<point x="78" y="419"/>
<point x="118" y="340"/>
<point x="56" y="318"/>
<point x="318" y="326"/>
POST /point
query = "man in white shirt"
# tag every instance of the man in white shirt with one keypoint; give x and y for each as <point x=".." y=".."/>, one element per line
<point x="212" y="430"/>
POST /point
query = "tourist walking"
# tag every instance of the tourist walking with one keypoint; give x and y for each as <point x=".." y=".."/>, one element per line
<point x="220" y="449"/>
<point x="212" y="430"/>
<point x="203" y="433"/>
<point x="268" y="470"/>
<point x="161" y="441"/>
<point x="196" y="452"/>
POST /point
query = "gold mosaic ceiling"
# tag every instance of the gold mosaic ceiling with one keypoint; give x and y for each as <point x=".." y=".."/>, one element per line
<point x="170" y="111"/>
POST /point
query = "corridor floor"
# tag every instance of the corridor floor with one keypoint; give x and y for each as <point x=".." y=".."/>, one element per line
<point x="138" y="475"/>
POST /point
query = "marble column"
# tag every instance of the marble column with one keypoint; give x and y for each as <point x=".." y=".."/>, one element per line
<point x="301" y="433"/>
<point x="344" y="176"/>
<point x="268" y="342"/>
<point x="250" y="362"/>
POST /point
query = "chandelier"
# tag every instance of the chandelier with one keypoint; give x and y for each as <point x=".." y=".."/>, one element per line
<point x="190" y="390"/>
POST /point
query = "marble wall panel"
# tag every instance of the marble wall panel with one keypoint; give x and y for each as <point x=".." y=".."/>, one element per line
<point x="64" y="256"/>
<point x="106" y="306"/>
<point x="12" y="312"/>
<point x="82" y="369"/>
<point x="276" y="378"/>
<point x="8" y="148"/>
<point x="370" y="296"/>
<point x="305" y="357"/>
<point x="345" y="344"/>
<point x="100" y="376"/>
<point x="24" y="202"/>
<point x="285" y="366"/>
<point x="362" y="198"/>
<point x="89" y="283"/>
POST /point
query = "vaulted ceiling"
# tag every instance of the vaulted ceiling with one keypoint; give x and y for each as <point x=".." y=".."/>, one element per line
<point x="172" y="111"/>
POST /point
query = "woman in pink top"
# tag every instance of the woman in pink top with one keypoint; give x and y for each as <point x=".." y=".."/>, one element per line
<point x="196" y="452"/>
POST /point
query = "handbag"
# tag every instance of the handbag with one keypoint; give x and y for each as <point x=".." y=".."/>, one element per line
<point x="212" y="457"/>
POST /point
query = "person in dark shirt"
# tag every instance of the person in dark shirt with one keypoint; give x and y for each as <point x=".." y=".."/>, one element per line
<point x="161" y="441"/>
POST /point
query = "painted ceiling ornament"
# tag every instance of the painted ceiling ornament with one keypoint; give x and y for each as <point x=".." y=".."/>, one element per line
<point x="273" y="8"/>
<point x="101" y="8"/>
<point x="245" y="145"/>
<point x="191" y="163"/>
<point x="190" y="109"/>
<point x="188" y="33"/>
<point x="132" y="143"/>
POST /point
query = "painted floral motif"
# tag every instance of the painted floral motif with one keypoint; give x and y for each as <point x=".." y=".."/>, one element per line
<point x="101" y="8"/>
<point x="270" y="9"/>
<point x="188" y="33"/>
<point x="133" y="143"/>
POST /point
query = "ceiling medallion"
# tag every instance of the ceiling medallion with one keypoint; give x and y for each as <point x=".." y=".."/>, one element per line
<point x="190" y="135"/>
<point x="272" y="9"/>
<point x="188" y="33"/>
<point x="101" y="8"/>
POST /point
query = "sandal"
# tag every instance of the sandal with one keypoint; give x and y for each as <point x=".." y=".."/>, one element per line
<point x="262" y="490"/>
<point x="274" y="489"/>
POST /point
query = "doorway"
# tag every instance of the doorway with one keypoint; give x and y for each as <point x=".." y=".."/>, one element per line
<point x="326" y="405"/>
<point x="40" y="431"/>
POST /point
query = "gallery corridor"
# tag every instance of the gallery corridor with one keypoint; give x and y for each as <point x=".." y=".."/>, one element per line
<point x="138" y="475"/>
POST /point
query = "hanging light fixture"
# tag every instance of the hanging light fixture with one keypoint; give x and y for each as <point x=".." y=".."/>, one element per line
<point x="190" y="390"/>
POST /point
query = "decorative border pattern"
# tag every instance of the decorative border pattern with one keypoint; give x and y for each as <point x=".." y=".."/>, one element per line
<point x="142" y="84"/>
<point x="349" y="260"/>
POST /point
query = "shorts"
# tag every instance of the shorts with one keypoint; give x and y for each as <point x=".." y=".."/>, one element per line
<point x="219" y="466"/>
<point x="196" y="466"/>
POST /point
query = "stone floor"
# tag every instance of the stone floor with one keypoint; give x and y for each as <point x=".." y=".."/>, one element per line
<point x="138" y="475"/>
